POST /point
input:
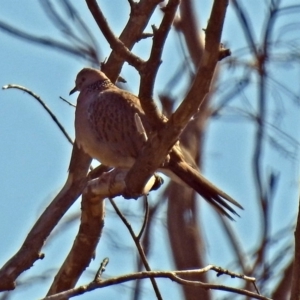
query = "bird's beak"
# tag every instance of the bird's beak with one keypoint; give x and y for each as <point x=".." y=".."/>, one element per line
<point x="73" y="91"/>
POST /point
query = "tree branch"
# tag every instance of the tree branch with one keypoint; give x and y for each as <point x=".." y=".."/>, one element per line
<point x="30" y="250"/>
<point x="155" y="151"/>
<point x="173" y="275"/>
<point x="149" y="70"/>
<point x="86" y="241"/>
<point x="48" y="110"/>
<point x="80" y="51"/>
<point x="138" y="246"/>
<point x="133" y="31"/>
<point x="295" y="291"/>
<point x="115" y="44"/>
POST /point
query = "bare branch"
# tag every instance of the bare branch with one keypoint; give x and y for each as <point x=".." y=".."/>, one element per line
<point x="113" y="41"/>
<point x="77" y="51"/>
<point x="101" y="269"/>
<point x="131" y="34"/>
<point x="30" y="250"/>
<point x="188" y="25"/>
<point x="149" y="70"/>
<point x="295" y="291"/>
<point x="48" y="110"/>
<point x="66" y="101"/>
<point x="173" y="275"/>
<point x="138" y="246"/>
<point x="247" y="29"/>
<point x="83" y="249"/>
<point x="79" y="163"/>
<point x="155" y="152"/>
<point x="146" y="218"/>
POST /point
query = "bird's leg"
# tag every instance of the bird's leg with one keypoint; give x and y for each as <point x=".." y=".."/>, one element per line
<point x="158" y="182"/>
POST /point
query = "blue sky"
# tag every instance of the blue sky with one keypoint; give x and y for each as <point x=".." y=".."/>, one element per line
<point x="34" y="155"/>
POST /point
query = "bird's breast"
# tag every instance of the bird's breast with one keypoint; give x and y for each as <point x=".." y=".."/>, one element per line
<point x="97" y="137"/>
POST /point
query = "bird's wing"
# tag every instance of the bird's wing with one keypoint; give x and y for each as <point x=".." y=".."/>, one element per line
<point x="112" y="118"/>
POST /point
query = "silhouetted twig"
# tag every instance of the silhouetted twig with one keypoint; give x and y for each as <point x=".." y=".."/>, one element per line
<point x="48" y="110"/>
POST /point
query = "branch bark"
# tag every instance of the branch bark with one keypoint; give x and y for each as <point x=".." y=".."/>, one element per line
<point x="30" y="250"/>
<point x="295" y="292"/>
<point x="159" y="145"/>
<point x="173" y="275"/>
<point x="91" y="226"/>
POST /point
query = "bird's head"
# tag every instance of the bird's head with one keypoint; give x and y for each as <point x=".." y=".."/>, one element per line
<point x="86" y="77"/>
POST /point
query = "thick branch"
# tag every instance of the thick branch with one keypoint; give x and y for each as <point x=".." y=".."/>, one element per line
<point x="159" y="145"/>
<point x="30" y="250"/>
<point x="91" y="226"/>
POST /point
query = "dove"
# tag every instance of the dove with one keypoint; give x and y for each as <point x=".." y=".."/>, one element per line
<point x="107" y="130"/>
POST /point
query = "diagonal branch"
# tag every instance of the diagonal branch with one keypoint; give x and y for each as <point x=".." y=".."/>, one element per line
<point x="115" y="44"/>
<point x="79" y="164"/>
<point x="30" y="250"/>
<point x="155" y="151"/>
<point x="132" y="33"/>
<point x="84" y="246"/>
<point x="77" y="51"/>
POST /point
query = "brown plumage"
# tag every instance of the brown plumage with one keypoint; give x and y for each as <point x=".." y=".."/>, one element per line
<point x="105" y="128"/>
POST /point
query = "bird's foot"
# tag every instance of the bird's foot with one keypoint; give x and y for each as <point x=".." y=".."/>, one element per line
<point x="153" y="184"/>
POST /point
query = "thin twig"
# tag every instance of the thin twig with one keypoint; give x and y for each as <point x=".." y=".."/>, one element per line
<point x="46" y="41"/>
<point x="235" y="243"/>
<point x="247" y="29"/>
<point x="65" y="100"/>
<point x="262" y="196"/>
<point x="48" y="110"/>
<point x="86" y="32"/>
<point x="146" y="217"/>
<point x="138" y="245"/>
<point x="101" y="269"/>
<point x="150" y="68"/>
<point x="60" y="22"/>
<point x="149" y="72"/>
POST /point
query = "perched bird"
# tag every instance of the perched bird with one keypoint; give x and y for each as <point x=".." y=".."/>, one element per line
<point x="106" y="129"/>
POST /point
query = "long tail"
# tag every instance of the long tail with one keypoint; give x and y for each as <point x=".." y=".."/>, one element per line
<point x="202" y="186"/>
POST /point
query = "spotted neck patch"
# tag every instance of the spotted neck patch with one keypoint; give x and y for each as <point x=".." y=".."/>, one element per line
<point x="100" y="85"/>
